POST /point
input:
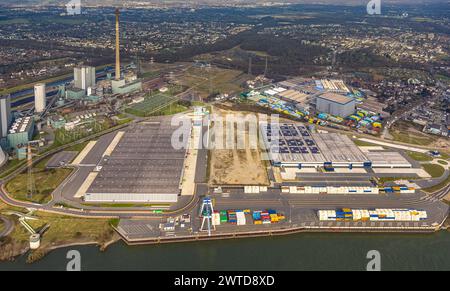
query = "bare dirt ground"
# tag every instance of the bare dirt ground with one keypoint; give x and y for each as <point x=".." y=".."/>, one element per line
<point x="237" y="166"/>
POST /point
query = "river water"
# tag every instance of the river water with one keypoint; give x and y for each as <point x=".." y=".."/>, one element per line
<point x="295" y="252"/>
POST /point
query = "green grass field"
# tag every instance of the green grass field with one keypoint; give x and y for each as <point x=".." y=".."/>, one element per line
<point x="420" y="157"/>
<point x="46" y="182"/>
<point x="150" y="105"/>
<point x="10" y="167"/>
<point x="435" y="171"/>
<point x="411" y="139"/>
<point x="410" y="133"/>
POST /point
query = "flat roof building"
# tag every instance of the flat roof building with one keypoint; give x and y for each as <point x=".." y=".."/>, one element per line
<point x="144" y="167"/>
<point x="336" y="104"/>
<point x="292" y="145"/>
<point x="21" y="132"/>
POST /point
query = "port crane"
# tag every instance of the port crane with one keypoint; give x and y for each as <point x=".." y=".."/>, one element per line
<point x="206" y="212"/>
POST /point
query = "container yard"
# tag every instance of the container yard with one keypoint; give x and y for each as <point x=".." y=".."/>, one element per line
<point x="363" y="121"/>
<point x="329" y="190"/>
<point x="247" y="217"/>
<point x="279" y="105"/>
<point x="333" y="100"/>
<point x="346" y="214"/>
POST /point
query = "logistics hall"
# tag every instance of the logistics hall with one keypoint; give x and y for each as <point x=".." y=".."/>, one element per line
<point x="293" y="145"/>
<point x="143" y="168"/>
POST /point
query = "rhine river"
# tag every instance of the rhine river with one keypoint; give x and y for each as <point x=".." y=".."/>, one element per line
<point x="295" y="252"/>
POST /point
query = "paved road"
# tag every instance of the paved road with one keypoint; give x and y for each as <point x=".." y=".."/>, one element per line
<point x="437" y="210"/>
<point x="8" y="226"/>
<point x="439" y="195"/>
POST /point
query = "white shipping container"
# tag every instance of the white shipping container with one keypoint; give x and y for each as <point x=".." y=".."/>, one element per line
<point x="240" y="216"/>
<point x="216" y="219"/>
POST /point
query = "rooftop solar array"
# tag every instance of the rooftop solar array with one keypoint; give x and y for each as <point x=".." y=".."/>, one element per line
<point x="293" y="143"/>
<point x="144" y="161"/>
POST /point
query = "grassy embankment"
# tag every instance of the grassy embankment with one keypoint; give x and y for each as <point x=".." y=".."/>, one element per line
<point x="63" y="230"/>
<point x="10" y="167"/>
<point x="420" y="157"/>
<point x="412" y="134"/>
<point x="438" y="187"/>
<point x="46" y="180"/>
<point x="435" y="171"/>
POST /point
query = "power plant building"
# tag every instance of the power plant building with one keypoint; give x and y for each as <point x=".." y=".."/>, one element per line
<point x="120" y="85"/>
<point x="21" y="132"/>
<point x="336" y="104"/>
<point x="5" y="115"/>
<point x="84" y="77"/>
<point x="40" y="95"/>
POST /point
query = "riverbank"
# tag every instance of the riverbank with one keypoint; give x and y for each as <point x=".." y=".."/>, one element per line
<point x="63" y="231"/>
<point x="12" y="251"/>
<point x="303" y="251"/>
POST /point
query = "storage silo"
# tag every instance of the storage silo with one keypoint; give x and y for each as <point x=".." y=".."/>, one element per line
<point x="40" y="101"/>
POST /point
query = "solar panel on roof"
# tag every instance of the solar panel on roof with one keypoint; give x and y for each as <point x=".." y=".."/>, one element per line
<point x="295" y="150"/>
<point x="284" y="150"/>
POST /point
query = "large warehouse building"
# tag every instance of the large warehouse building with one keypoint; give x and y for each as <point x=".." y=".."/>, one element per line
<point x="336" y="104"/>
<point x="143" y="168"/>
<point x="292" y="145"/>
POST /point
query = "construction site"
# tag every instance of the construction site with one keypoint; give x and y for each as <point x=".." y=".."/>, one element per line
<point x="231" y="164"/>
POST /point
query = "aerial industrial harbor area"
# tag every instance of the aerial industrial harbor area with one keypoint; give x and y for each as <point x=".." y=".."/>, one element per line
<point x="153" y="123"/>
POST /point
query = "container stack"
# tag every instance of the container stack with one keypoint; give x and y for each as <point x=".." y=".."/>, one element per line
<point x="223" y="216"/>
<point x="327" y="215"/>
<point x="364" y="215"/>
<point x="232" y="217"/>
<point x="216" y="218"/>
<point x="241" y="218"/>
<point x="257" y="217"/>
<point x="265" y="217"/>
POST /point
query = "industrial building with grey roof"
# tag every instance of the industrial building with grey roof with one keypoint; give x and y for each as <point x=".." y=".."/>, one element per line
<point x="144" y="167"/>
<point x="293" y="145"/>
